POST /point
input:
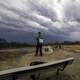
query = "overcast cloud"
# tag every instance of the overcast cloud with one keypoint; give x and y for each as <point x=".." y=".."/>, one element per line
<point x="59" y="19"/>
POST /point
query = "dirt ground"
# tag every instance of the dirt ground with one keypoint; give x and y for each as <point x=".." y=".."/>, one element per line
<point x="23" y="57"/>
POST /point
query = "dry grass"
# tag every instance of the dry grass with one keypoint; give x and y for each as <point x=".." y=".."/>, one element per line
<point x="13" y="59"/>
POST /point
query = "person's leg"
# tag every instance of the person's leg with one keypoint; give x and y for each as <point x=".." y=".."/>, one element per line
<point x="37" y="49"/>
<point x="40" y="50"/>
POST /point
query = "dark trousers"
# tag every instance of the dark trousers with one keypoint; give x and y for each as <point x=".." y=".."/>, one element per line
<point x="39" y="49"/>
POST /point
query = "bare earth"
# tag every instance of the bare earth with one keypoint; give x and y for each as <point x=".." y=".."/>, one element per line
<point x="23" y="57"/>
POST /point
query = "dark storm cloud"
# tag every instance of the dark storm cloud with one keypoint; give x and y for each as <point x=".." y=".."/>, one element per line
<point x="44" y="10"/>
<point x="23" y="19"/>
<point x="30" y="16"/>
<point x="72" y="10"/>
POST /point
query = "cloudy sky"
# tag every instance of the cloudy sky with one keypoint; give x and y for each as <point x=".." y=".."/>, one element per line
<point x="58" y="20"/>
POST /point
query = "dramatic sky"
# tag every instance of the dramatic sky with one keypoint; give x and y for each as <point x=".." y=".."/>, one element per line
<point x="58" y="20"/>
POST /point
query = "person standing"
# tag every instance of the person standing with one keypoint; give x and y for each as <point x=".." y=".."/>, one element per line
<point x="39" y="44"/>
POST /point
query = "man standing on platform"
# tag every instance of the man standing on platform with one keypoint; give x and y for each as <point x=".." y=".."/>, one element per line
<point x="39" y="44"/>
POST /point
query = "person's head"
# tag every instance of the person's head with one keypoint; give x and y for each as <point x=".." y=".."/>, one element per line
<point x="39" y="33"/>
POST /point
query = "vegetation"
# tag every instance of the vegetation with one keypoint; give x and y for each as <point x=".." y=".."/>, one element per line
<point x="23" y="57"/>
<point x="5" y="44"/>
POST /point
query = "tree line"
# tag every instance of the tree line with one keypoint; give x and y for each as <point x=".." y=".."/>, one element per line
<point x="5" y="44"/>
